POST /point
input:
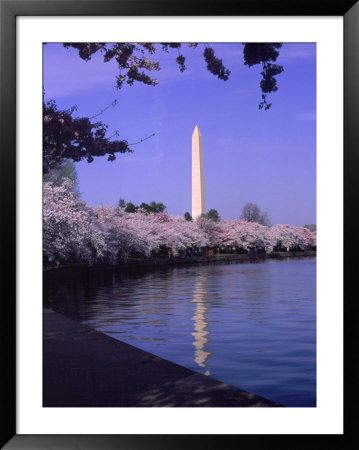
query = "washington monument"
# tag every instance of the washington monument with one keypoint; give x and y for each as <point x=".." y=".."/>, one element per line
<point x="198" y="188"/>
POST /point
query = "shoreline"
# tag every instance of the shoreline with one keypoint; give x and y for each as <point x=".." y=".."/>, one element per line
<point x="173" y="261"/>
<point x="83" y="367"/>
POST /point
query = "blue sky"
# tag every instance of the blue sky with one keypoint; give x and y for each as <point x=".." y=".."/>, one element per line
<point x="250" y="155"/>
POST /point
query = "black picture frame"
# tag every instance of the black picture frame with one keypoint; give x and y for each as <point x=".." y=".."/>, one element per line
<point x="9" y="10"/>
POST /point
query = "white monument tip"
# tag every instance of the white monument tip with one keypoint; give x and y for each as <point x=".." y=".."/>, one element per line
<point x="196" y="130"/>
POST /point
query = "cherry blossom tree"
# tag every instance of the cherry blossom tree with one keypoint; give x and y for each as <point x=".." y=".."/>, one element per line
<point x="67" y="137"/>
<point x="117" y="233"/>
<point x="211" y="229"/>
<point x="130" y="232"/>
<point x="132" y="58"/>
<point x="247" y="234"/>
<point x="308" y="238"/>
<point x="181" y="234"/>
<point x="75" y="232"/>
<point x="290" y="236"/>
<point x="314" y="237"/>
<point x="70" y="228"/>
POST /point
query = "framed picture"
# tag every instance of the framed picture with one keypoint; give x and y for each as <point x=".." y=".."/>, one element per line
<point x="33" y="417"/>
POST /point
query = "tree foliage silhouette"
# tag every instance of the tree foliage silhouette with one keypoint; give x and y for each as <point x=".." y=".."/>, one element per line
<point x="252" y="213"/>
<point x="79" y="138"/>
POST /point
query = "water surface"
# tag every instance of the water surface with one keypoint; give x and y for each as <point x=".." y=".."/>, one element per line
<point x="251" y="325"/>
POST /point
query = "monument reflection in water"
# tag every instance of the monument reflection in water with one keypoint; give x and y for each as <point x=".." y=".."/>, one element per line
<point x="201" y="335"/>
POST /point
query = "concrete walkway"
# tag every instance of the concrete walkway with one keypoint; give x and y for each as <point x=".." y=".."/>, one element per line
<point x="83" y="367"/>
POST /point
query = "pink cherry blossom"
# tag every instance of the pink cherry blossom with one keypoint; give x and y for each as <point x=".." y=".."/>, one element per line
<point x="73" y="231"/>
